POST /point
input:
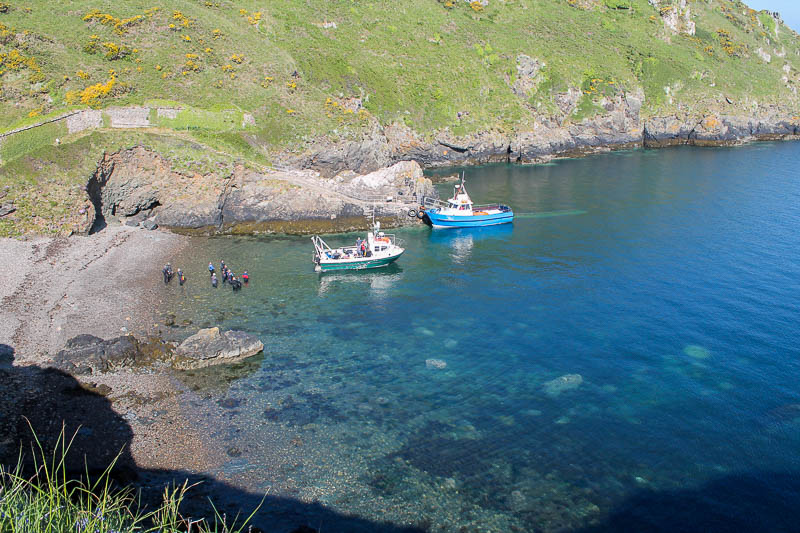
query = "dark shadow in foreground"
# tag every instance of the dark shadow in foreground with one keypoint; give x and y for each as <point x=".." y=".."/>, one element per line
<point x="752" y="502"/>
<point x="46" y="398"/>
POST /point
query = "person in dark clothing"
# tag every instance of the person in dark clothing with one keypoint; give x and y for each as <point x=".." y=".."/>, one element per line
<point x="181" y="277"/>
<point x="236" y="284"/>
<point x="167" y="271"/>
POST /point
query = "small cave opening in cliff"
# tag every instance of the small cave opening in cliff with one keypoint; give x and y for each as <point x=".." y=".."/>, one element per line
<point x="95" y="191"/>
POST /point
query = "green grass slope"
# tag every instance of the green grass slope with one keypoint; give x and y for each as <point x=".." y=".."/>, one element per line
<point x="416" y="61"/>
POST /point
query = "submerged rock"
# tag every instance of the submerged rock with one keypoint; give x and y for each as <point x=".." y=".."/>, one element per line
<point x="210" y="347"/>
<point x="564" y="383"/>
<point x="698" y="352"/>
<point x="435" y="363"/>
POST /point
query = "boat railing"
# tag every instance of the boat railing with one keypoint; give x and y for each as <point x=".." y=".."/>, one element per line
<point x="392" y="239"/>
<point x="431" y="203"/>
<point x="499" y="207"/>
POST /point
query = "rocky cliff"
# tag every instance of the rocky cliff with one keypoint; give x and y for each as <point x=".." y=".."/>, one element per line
<point x="619" y="126"/>
<point x="140" y="186"/>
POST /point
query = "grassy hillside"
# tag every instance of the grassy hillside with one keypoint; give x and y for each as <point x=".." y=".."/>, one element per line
<point x="418" y="61"/>
<point x="336" y="68"/>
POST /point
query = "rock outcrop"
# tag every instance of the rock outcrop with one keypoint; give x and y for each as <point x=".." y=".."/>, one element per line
<point x="87" y="354"/>
<point x="210" y="347"/>
<point x="139" y="186"/>
<point x="619" y="125"/>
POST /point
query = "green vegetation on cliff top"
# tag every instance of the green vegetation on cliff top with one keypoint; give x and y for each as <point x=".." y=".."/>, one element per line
<point x="294" y="65"/>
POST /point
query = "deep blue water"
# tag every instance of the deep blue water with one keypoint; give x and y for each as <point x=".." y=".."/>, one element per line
<point x="666" y="279"/>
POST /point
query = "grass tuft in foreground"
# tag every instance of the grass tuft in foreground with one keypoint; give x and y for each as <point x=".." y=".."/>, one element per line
<point x="50" y="501"/>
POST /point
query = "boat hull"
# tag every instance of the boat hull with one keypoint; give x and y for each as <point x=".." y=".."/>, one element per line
<point x="474" y="221"/>
<point x="360" y="264"/>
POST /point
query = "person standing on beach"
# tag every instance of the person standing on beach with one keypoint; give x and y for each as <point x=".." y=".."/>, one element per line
<point x="167" y="271"/>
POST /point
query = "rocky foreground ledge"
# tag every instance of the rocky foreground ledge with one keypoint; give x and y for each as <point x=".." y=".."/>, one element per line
<point x="87" y="354"/>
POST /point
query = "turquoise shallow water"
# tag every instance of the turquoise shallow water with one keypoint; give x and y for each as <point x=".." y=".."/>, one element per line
<point x="668" y="280"/>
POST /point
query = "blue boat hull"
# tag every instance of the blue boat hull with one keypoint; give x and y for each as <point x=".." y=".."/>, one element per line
<point x="453" y="221"/>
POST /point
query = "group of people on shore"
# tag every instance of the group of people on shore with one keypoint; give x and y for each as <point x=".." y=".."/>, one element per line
<point x="227" y="276"/>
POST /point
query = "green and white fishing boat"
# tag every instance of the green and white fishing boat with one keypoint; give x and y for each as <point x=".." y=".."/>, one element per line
<point x="377" y="250"/>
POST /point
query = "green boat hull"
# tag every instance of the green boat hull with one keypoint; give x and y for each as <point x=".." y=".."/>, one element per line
<point x="359" y="265"/>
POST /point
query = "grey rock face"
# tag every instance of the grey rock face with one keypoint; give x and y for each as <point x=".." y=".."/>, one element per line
<point x="210" y="347"/>
<point x="87" y="354"/>
<point x="527" y="71"/>
<point x="149" y="224"/>
<point x="7" y="209"/>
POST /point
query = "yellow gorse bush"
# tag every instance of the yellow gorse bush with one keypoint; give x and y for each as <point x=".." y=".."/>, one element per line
<point x="120" y="26"/>
<point x="237" y="58"/>
<point x="182" y="19"/>
<point x="93" y="94"/>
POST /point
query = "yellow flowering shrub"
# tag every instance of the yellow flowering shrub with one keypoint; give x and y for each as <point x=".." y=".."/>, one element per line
<point x="237" y="58"/>
<point x="82" y="75"/>
<point x="476" y="5"/>
<point x="15" y="60"/>
<point x="182" y="19"/>
<point x="93" y="94"/>
<point x="216" y="34"/>
<point x="120" y="26"/>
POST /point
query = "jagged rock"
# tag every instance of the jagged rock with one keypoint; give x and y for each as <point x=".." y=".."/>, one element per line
<point x="87" y="354"/>
<point x="210" y="347"/>
<point x="7" y="209"/>
<point x="665" y="131"/>
<point x="399" y="181"/>
<point x="561" y="384"/>
<point x="527" y="72"/>
<point x="149" y="224"/>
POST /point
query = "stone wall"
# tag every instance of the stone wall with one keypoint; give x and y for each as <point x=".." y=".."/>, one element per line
<point x="84" y="120"/>
<point x="129" y="117"/>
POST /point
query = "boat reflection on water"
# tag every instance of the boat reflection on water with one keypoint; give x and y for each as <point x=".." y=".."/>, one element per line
<point x="462" y="240"/>
<point x="378" y="280"/>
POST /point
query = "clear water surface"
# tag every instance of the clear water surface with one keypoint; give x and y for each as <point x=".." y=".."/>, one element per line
<point x="666" y="279"/>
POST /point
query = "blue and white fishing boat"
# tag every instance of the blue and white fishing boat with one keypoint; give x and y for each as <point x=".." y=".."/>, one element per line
<point x="459" y="212"/>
